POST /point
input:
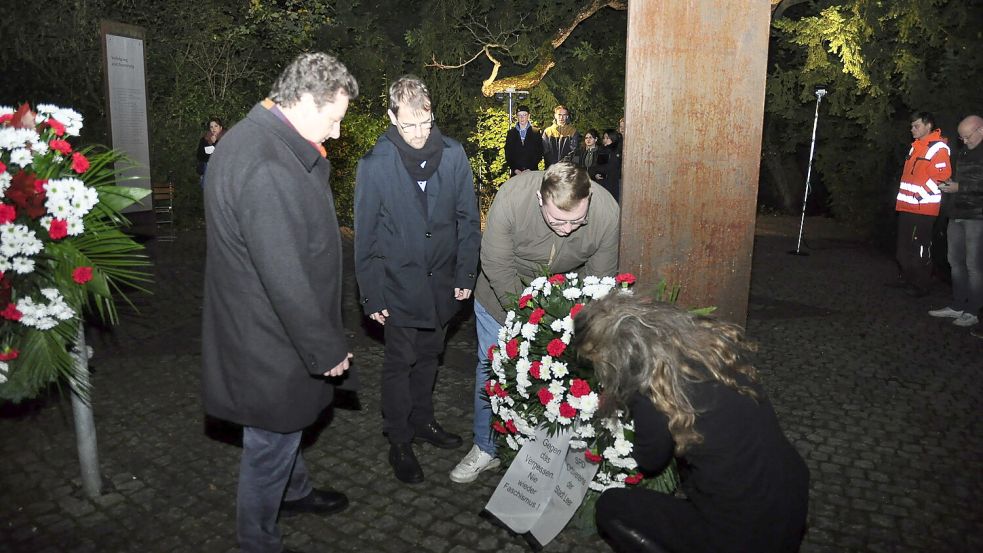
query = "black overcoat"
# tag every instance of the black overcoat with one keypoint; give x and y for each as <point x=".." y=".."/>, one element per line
<point x="272" y="317"/>
<point x="408" y="261"/>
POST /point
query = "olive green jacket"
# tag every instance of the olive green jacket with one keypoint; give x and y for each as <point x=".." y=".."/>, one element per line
<point x="517" y="244"/>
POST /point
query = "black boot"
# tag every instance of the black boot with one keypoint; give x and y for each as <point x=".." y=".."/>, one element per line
<point x="629" y="540"/>
<point x="405" y="466"/>
<point x="435" y="435"/>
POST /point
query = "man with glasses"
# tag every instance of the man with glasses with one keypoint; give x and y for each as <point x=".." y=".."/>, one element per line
<point x="523" y="145"/>
<point x="560" y="140"/>
<point x="555" y="220"/>
<point x="965" y="230"/>
<point x="416" y="257"/>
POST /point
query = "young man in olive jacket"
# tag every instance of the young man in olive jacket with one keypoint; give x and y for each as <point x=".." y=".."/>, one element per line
<point x="555" y="219"/>
<point x="416" y="257"/>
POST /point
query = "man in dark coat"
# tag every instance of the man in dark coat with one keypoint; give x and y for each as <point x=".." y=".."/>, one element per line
<point x="523" y="145"/>
<point x="272" y="335"/>
<point x="416" y="257"/>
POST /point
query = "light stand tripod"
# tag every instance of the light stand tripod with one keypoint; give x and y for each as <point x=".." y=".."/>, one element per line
<point x="820" y="92"/>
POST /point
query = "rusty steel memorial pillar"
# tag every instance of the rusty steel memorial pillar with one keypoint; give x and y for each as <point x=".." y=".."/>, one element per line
<point x="694" y="102"/>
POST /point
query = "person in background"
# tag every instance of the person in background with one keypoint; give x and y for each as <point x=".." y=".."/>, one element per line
<point x="560" y="140"/>
<point x="693" y="395"/>
<point x="523" y="144"/>
<point x="587" y="155"/>
<point x="206" y="146"/>
<point x="610" y="163"/>
<point x="965" y="230"/>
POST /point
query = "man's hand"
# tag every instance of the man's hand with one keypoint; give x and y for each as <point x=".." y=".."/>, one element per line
<point x="340" y="367"/>
<point x="380" y="316"/>
<point x="461" y="294"/>
<point x="949" y="187"/>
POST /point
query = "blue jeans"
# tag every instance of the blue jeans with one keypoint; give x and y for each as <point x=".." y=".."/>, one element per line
<point x="272" y="469"/>
<point x="966" y="259"/>
<point x="487" y="328"/>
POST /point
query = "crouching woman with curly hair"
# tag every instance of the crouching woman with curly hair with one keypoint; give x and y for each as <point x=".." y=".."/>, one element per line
<point x="693" y="395"/>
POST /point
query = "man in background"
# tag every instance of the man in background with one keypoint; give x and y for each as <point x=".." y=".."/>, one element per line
<point x="523" y="144"/>
<point x="965" y="230"/>
<point x="560" y="140"/>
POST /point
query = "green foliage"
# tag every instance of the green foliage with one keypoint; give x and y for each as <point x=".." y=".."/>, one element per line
<point x="487" y="141"/>
<point x="880" y="61"/>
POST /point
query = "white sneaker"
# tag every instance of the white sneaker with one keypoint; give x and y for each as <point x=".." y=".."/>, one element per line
<point x="946" y="312"/>
<point x="966" y="319"/>
<point x="473" y="464"/>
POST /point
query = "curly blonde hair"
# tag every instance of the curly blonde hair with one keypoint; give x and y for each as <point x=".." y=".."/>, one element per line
<point x="641" y="345"/>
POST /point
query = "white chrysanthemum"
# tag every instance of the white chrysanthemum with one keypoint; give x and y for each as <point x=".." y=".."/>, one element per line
<point x="512" y="443"/>
<point x="557" y="388"/>
<point x="11" y="138"/>
<point x="3" y="372"/>
<point x="628" y="463"/>
<point x="559" y="369"/>
<point x="9" y="249"/>
<point x="509" y="317"/>
<point x="22" y="265"/>
<point x="586" y="430"/>
<point x="4" y="110"/>
<point x="578" y="444"/>
<point x="591" y="279"/>
<point x="5" y="179"/>
<point x="46" y="110"/>
<point x="587" y="404"/>
<point x="4" y="264"/>
<point x="71" y="119"/>
<point x="529" y="331"/>
<point x="21" y="157"/>
<point x="572" y="277"/>
<point x="538" y="283"/>
<point x="566" y="337"/>
<point x="572" y="293"/>
<point x="622" y="446"/>
<point x="514" y="329"/>
<point x="547" y="288"/>
<point x="609" y="281"/>
<point x="18" y="239"/>
<point x="40" y="148"/>
<point x="502" y="333"/>
<point x="597" y="291"/>
<point x="75" y="227"/>
<point x="41" y="316"/>
<point x="528" y="291"/>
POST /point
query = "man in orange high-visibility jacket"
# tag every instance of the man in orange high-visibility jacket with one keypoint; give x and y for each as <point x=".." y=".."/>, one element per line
<point x="919" y="198"/>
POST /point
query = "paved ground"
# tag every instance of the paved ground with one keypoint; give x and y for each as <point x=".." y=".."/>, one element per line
<point x="881" y="400"/>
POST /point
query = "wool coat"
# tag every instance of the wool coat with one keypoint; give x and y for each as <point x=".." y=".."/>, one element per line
<point x="407" y="261"/>
<point x="272" y="317"/>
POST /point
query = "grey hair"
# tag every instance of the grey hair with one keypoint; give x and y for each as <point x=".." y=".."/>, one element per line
<point x="566" y="184"/>
<point x="315" y="73"/>
<point x="410" y="91"/>
<point x="638" y="345"/>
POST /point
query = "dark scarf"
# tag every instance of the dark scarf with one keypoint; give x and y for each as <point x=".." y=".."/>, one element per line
<point x="412" y="158"/>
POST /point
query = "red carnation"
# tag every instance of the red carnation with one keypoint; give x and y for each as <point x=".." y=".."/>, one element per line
<point x="79" y="163"/>
<point x="510" y="426"/>
<point x="625" y="278"/>
<point x="579" y="387"/>
<point x="534" y="368"/>
<point x="500" y="391"/>
<point x="56" y="126"/>
<point x="544" y="396"/>
<point x="488" y="387"/>
<point x="634" y="479"/>
<point x="575" y="309"/>
<point x="61" y="146"/>
<point x="39" y="185"/>
<point x="9" y="354"/>
<point x="58" y="229"/>
<point x="567" y="410"/>
<point x="555" y="347"/>
<point x="512" y="348"/>
<point x="2" y="167"/>
<point x="557" y="279"/>
<point x="6" y="117"/>
<point x="491" y="351"/>
<point x="81" y="275"/>
<point x="7" y="213"/>
<point x="11" y="313"/>
<point x="593" y="457"/>
<point x="497" y="427"/>
<point x="536" y="315"/>
<point x="524" y="301"/>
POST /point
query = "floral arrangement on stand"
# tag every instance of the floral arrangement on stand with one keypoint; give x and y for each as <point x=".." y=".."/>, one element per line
<point x="62" y="250"/>
<point x="535" y="379"/>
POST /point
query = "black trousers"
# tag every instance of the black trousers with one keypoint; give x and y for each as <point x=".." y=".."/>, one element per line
<point x="914" y="248"/>
<point x="408" y="375"/>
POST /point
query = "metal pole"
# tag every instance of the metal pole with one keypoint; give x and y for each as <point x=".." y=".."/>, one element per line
<point x="812" y="149"/>
<point x="85" y="428"/>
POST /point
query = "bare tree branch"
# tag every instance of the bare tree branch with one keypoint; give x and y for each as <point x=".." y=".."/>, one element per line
<point x="502" y="42"/>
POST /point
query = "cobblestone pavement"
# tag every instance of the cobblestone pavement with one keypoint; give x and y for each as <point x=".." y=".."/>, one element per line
<point x="881" y="400"/>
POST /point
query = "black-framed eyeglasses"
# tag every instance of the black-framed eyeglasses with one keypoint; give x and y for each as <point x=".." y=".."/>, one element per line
<point x="410" y="127"/>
